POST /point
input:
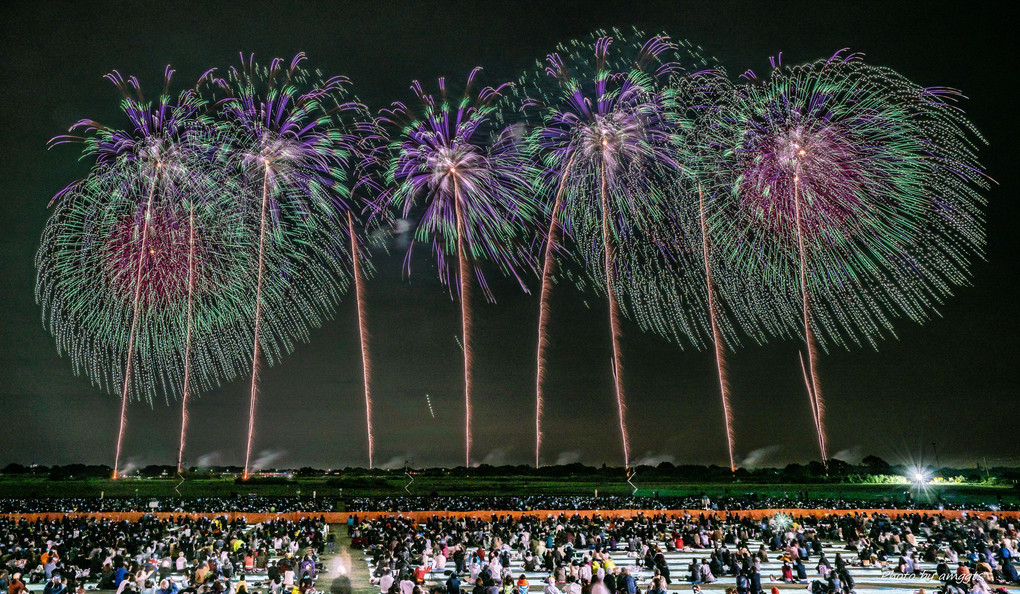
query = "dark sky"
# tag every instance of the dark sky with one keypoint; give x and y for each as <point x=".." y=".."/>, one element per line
<point x="953" y="380"/>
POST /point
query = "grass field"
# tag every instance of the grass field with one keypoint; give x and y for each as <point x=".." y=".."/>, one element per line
<point x="204" y="485"/>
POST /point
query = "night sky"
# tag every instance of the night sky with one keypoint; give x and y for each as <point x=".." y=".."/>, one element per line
<point x="952" y="381"/>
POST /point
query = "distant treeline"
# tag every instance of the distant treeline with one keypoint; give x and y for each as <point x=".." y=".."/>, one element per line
<point x="871" y="470"/>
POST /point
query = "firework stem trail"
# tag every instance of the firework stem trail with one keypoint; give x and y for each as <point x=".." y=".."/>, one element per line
<point x="543" y="306"/>
<point x="614" y="322"/>
<point x="811" y="397"/>
<point x="258" y="320"/>
<point x="465" y="318"/>
<point x="134" y="320"/>
<point x="187" y="342"/>
<point x="720" y="348"/>
<point x="816" y="394"/>
<point x="365" y="369"/>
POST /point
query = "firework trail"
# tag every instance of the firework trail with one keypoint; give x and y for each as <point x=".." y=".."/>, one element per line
<point x="362" y="334"/>
<point x="476" y="191"/>
<point x="614" y="319"/>
<point x="717" y="343"/>
<point x="428" y="401"/>
<point x="297" y="138"/>
<point x="410" y="478"/>
<point x="812" y="401"/>
<point x="465" y="317"/>
<point x="190" y="332"/>
<point x="552" y="239"/>
<point x="258" y="321"/>
<point x="603" y="131"/>
<point x="852" y="194"/>
<point x="124" y="257"/>
<point x="813" y="389"/>
<point x="630" y="480"/>
<point x="134" y="320"/>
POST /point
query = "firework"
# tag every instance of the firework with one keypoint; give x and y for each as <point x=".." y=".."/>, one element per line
<point x="605" y="131"/>
<point x="717" y="342"/>
<point x="853" y="193"/>
<point x="294" y="139"/>
<point x="476" y="193"/>
<point x="359" y="293"/>
<point x="140" y="263"/>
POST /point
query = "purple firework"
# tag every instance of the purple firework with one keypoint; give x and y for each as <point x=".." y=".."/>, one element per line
<point x="296" y="139"/>
<point x="606" y="132"/>
<point x="453" y="157"/>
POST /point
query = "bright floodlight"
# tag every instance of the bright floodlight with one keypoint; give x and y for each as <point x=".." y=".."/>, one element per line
<point x="918" y="477"/>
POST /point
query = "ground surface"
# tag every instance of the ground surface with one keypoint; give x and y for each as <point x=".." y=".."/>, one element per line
<point x="514" y="485"/>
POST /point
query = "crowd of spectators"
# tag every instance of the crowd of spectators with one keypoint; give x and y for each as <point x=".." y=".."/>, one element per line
<point x="236" y="503"/>
<point x="574" y="554"/>
<point x="312" y="504"/>
<point x="799" y="500"/>
<point x="161" y="555"/>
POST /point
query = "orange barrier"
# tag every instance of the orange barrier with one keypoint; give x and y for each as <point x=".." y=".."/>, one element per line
<point x="341" y="517"/>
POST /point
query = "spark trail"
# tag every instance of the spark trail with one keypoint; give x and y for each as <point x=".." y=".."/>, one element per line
<point x="543" y="306"/>
<point x="815" y="392"/>
<point x="811" y="398"/>
<point x="614" y="320"/>
<point x="258" y="320"/>
<point x="363" y="334"/>
<point x="720" y="348"/>
<point x="134" y="321"/>
<point x="187" y="342"/>
<point x="465" y="317"/>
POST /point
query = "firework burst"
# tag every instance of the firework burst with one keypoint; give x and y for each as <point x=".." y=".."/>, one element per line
<point x="476" y="192"/>
<point x="295" y="137"/>
<point x="606" y="130"/>
<point x="140" y="264"/>
<point x="852" y="192"/>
